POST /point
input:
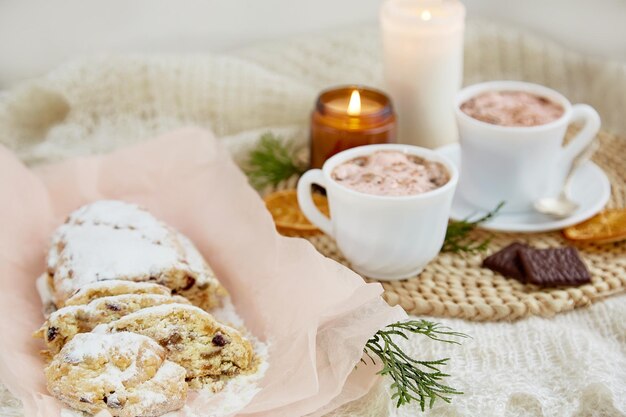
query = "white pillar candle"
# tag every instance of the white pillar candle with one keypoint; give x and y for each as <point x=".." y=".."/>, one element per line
<point x="423" y="62"/>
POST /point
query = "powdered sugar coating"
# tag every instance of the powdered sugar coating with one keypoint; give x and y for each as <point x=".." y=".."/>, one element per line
<point x="112" y="213"/>
<point x="98" y="252"/>
<point x="123" y="373"/>
<point x="227" y="314"/>
<point x="114" y="240"/>
<point x="87" y="346"/>
<point x="121" y="215"/>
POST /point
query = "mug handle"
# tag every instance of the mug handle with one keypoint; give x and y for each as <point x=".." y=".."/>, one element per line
<point x="586" y="113"/>
<point x="305" y="200"/>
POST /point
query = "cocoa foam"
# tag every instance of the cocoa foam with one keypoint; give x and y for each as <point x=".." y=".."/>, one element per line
<point x="512" y="108"/>
<point x="391" y="173"/>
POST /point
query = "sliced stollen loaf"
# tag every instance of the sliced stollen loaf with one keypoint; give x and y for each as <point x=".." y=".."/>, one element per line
<point x="124" y="373"/>
<point x="68" y="321"/>
<point x="100" y="289"/>
<point x="207" y="349"/>
<point x="114" y="240"/>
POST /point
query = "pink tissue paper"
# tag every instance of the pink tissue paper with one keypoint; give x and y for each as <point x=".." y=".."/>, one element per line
<point x="316" y="314"/>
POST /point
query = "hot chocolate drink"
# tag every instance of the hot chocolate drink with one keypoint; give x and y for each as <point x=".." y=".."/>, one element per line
<point x="391" y="173"/>
<point x="512" y="108"/>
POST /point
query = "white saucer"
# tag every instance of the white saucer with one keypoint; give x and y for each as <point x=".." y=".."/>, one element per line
<point x="590" y="188"/>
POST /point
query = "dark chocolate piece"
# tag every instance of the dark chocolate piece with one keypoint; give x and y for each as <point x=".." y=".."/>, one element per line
<point x="554" y="267"/>
<point x="507" y="262"/>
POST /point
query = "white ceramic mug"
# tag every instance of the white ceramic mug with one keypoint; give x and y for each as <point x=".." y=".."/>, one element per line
<point x="518" y="165"/>
<point x="383" y="237"/>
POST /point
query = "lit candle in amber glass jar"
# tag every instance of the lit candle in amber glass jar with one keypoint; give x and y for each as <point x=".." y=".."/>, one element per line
<point x="346" y="117"/>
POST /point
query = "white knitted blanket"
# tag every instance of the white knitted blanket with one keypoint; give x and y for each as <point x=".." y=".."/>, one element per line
<point x="571" y="365"/>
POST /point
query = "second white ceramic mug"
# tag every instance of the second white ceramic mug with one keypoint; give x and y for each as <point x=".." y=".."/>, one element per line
<point x="518" y="165"/>
<point x="383" y="237"/>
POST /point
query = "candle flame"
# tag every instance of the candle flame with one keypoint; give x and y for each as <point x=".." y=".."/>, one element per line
<point x="426" y="15"/>
<point x="354" y="108"/>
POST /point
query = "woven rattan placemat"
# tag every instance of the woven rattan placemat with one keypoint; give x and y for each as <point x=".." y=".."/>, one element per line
<point x="454" y="285"/>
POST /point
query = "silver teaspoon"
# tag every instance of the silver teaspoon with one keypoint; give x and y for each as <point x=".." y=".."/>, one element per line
<point x="561" y="206"/>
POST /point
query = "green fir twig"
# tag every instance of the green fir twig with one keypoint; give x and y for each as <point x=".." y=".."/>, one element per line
<point x="457" y="235"/>
<point x="413" y="380"/>
<point x="271" y="162"/>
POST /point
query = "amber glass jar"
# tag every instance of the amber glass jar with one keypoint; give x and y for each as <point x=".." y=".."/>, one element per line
<point x="350" y="116"/>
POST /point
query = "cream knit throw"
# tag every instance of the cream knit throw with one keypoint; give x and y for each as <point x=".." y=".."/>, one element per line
<point x="571" y="365"/>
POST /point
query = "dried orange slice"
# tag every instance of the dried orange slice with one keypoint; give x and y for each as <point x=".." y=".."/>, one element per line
<point x="289" y="219"/>
<point x="608" y="226"/>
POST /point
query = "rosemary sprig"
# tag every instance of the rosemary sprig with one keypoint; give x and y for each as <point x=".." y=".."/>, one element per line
<point x="457" y="235"/>
<point x="271" y="162"/>
<point x="413" y="380"/>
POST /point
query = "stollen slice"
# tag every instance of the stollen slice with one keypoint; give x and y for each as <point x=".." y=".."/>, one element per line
<point x="113" y="287"/>
<point x="207" y="349"/>
<point x="125" y="374"/>
<point x="68" y="321"/>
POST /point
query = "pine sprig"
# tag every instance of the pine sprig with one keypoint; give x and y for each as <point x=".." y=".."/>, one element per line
<point x="413" y="380"/>
<point x="457" y="235"/>
<point x="271" y="162"/>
